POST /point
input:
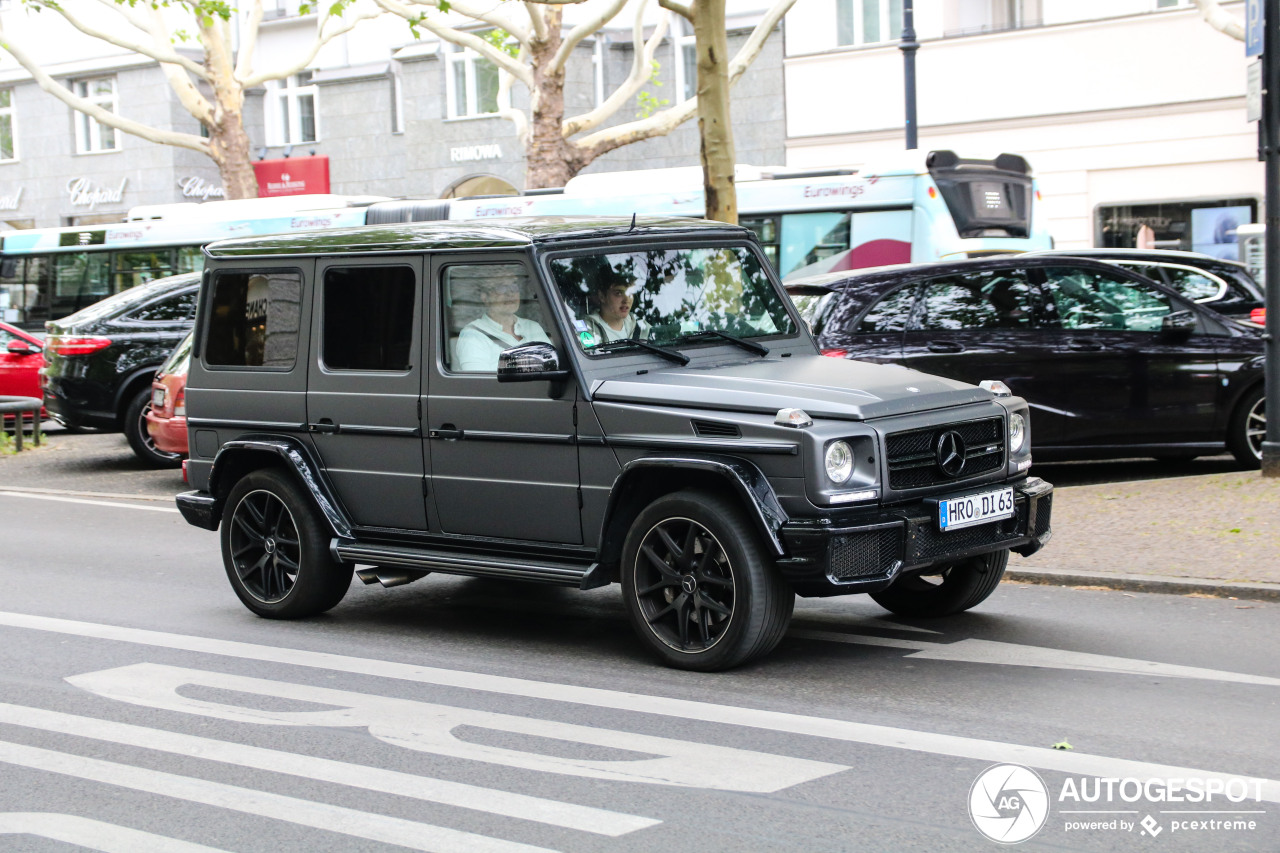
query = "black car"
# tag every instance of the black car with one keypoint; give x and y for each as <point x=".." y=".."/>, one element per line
<point x="101" y="359"/>
<point x="1113" y="363"/>
<point x="1225" y="286"/>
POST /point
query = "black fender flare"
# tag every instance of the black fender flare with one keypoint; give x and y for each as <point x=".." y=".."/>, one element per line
<point x="747" y="481"/>
<point x="296" y="458"/>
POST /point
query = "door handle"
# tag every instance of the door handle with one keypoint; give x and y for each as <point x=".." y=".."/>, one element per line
<point x="945" y="346"/>
<point x="1083" y="346"/>
<point x="446" y="431"/>
<point x="325" y="425"/>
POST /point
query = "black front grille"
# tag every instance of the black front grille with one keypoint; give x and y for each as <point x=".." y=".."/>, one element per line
<point x="912" y="454"/>
<point x="864" y="555"/>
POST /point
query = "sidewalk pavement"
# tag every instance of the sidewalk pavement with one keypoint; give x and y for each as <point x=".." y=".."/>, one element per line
<point x="1212" y="534"/>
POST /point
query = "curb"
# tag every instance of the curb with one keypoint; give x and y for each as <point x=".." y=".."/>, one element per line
<point x="1148" y="583"/>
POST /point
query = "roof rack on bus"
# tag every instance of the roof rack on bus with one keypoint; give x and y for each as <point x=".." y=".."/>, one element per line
<point x="782" y="174"/>
<point x="249" y="208"/>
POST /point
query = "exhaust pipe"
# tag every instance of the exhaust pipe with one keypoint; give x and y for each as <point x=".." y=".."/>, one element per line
<point x="389" y="577"/>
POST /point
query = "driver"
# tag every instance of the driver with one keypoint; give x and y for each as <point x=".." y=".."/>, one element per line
<point x="612" y="320"/>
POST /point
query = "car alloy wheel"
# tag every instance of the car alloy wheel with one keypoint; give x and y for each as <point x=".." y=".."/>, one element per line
<point x="265" y="548"/>
<point x="684" y="584"/>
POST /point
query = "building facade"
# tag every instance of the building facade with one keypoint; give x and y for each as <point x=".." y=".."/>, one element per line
<point x="394" y="115"/>
<point x="1131" y="112"/>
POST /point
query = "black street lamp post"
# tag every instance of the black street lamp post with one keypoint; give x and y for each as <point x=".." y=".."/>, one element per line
<point x="909" y="47"/>
<point x="1270" y="136"/>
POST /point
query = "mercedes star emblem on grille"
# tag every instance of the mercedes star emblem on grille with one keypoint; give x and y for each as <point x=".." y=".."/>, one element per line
<point x="949" y="452"/>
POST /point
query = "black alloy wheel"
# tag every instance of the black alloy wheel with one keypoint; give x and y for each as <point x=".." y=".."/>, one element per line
<point x="275" y="550"/>
<point x="135" y="431"/>
<point x="699" y="588"/>
<point x="1248" y="429"/>
<point x="945" y="590"/>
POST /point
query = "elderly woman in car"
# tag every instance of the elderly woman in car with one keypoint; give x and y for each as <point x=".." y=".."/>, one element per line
<point x="499" y="328"/>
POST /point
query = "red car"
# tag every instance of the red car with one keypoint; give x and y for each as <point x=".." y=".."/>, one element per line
<point x="167" y="414"/>
<point x="21" y="357"/>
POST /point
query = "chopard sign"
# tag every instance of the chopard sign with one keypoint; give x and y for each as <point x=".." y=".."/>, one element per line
<point x="85" y="193"/>
<point x="197" y="187"/>
<point x="12" y="200"/>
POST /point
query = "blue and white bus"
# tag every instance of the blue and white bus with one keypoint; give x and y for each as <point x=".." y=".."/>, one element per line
<point x="919" y="207"/>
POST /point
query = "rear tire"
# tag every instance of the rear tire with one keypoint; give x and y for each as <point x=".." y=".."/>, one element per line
<point x="953" y="588"/>
<point x="700" y="588"/>
<point x="1248" y="429"/>
<point x="275" y="549"/>
<point x="135" y="431"/>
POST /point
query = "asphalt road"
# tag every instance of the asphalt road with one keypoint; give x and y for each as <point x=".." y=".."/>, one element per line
<point x="141" y="707"/>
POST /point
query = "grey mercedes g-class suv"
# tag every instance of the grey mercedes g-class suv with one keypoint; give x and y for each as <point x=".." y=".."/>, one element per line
<point x="580" y="402"/>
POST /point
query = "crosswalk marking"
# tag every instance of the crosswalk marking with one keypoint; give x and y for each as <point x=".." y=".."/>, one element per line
<point x="94" y="834"/>
<point x="372" y="827"/>
<point x="493" y="801"/>
<point x="1074" y="762"/>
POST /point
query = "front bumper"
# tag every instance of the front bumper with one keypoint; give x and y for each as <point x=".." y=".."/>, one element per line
<point x="866" y="554"/>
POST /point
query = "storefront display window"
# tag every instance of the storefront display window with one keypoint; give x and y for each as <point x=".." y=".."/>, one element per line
<point x="1207" y="226"/>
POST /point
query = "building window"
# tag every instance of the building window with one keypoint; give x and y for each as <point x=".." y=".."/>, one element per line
<point x="868" y="21"/>
<point x="471" y="84"/>
<point x="1207" y="226"/>
<point x="992" y="16"/>
<point x="291" y="110"/>
<point x="686" y="45"/>
<point x="91" y="136"/>
<point x="8" y="151"/>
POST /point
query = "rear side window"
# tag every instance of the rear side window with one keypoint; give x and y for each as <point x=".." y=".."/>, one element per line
<point x="889" y="314"/>
<point x="254" y="319"/>
<point x="1001" y="299"/>
<point x="368" y="318"/>
<point x="172" y="308"/>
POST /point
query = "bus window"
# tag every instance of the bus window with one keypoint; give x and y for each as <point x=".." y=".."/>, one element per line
<point x="79" y="280"/>
<point x="190" y="259"/>
<point x="766" y="228"/>
<point x="134" y="268"/>
<point x="809" y="238"/>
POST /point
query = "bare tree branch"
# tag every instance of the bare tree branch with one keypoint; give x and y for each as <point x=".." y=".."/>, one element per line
<point x="498" y="57"/>
<point x="324" y="34"/>
<point x="97" y="113"/>
<point x="641" y="71"/>
<point x="249" y="44"/>
<point x="153" y="51"/>
<point x="1220" y="19"/>
<point x="684" y="10"/>
<point x="584" y="29"/>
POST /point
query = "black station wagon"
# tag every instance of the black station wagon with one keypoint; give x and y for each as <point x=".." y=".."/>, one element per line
<point x="583" y="402"/>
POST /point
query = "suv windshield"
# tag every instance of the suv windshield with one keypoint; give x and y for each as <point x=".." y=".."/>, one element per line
<point x="669" y="296"/>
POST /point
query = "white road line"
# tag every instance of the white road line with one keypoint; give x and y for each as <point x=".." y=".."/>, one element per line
<point x="1073" y="762"/>
<point x="94" y="834"/>
<point x="1016" y="654"/>
<point x="373" y="827"/>
<point x="12" y="494"/>
<point x="490" y="800"/>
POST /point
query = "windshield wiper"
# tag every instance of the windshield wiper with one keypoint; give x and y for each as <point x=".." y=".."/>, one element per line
<point x="751" y="346"/>
<point x="632" y="343"/>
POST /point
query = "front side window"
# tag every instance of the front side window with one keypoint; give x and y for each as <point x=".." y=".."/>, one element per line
<point x="1001" y="299"/>
<point x="472" y="84"/>
<point x="368" y="318"/>
<point x="669" y="296"/>
<point x="254" y="318"/>
<point x="488" y="308"/>
<point x="90" y="135"/>
<point x="868" y="21"/>
<point x="8" y="147"/>
<point x="1090" y="299"/>
<point x="291" y="110"/>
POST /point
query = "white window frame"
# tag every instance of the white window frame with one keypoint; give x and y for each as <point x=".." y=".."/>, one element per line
<point x="9" y="115"/>
<point x="397" y="102"/>
<point x="597" y="68"/>
<point x="686" y="73"/>
<point x="888" y="31"/>
<point x="284" y="116"/>
<point x="92" y="137"/>
<point x="462" y="60"/>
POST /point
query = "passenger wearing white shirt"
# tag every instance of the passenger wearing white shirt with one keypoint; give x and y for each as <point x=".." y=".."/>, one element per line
<point x="613" y="320"/>
<point x="481" y="340"/>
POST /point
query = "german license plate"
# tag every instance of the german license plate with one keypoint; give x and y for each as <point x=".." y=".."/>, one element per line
<point x="967" y="511"/>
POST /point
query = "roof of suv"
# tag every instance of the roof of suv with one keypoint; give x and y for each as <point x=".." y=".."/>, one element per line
<point x="1169" y="256"/>
<point x="917" y="272"/>
<point x="500" y="233"/>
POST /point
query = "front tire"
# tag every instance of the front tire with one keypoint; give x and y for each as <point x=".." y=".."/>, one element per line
<point x="700" y="589"/>
<point x="947" y="590"/>
<point x="135" y="431"/>
<point x="276" y="550"/>
<point x="1248" y="429"/>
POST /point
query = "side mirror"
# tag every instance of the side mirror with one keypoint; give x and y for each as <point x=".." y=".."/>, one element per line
<point x="530" y="363"/>
<point x="18" y="346"/>
<point x="1178" y="325"/>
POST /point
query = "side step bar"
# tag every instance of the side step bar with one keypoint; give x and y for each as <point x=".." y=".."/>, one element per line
<point x="400" y="564"/>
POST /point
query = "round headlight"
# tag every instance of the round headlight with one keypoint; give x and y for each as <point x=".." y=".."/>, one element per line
<point x="1017" y="432"/>
<point x="839" y="462"/>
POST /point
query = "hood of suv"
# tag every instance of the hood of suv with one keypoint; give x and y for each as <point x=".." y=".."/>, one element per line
<point x="823" y="387"/>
